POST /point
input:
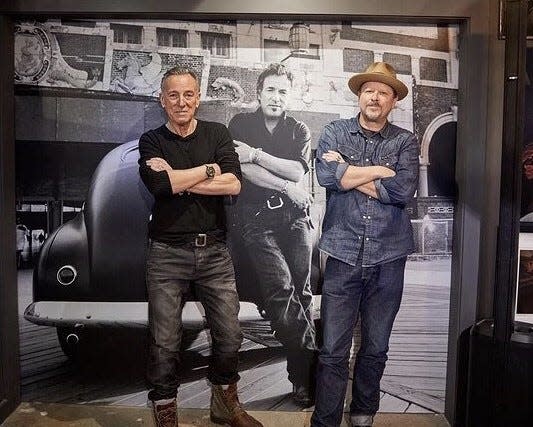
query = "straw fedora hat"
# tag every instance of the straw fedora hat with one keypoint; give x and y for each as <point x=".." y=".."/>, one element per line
<point x="379" y="72"/>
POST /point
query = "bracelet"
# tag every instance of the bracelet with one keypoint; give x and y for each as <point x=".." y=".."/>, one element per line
<point x="285" y="186"/>
<point x="254" y="155"/>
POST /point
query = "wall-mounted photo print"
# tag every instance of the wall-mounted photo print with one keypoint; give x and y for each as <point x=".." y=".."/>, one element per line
<point x="90" y="88"/>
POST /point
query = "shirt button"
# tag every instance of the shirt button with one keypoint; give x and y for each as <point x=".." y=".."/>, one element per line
<point x="367" y="160"/>
<point x="364" y="217"/>
<point x="368" y="217"/>
<point x="366" y="238"/>
<point x="351" y="157"/>
<point x="371" y="141"/>
<point x="370" y="197"/>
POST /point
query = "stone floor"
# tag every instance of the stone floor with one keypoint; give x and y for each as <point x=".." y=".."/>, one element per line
<point x="60" y="415"/>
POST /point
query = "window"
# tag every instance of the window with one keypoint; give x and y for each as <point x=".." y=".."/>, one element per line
<point x="127" y="33"/>
<point x="401" y="63"/>
<point x="356" y="60"/>
<point x="433" y="69"/>
<point x="216" y="43"/>
<point x="275" y="50"/>
<point x="171" y="37"/>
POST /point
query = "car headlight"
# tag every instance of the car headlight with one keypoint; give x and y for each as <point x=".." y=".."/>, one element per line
<point x="66" y="275"/>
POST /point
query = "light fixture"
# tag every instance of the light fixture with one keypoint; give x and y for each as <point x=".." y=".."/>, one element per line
<point x="298" y="39"/>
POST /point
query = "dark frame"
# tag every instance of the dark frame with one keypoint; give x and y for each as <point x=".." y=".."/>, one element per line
<point x="501" y="19"/>
<point x="479" y="120"/>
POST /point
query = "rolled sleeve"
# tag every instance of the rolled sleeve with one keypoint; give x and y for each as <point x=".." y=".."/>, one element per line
<point x="226" y="156"/>
<point x="383" y="195"/>
<point x="329" y="174"/>
<point x="302" y="138"/>
<point x="157" y="183"/>
<point x="400" y="189"/>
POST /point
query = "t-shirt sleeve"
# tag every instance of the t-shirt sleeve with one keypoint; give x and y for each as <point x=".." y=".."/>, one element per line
<point x="157" y="183"/>
<point x="226" y="156"/>
<point x="302" y="139"/>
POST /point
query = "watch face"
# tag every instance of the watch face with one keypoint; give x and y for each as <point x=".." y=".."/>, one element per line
<point x="210" y="171"/>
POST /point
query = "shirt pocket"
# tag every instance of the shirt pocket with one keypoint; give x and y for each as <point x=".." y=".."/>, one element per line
<point x="350" y="154"/>
<point x="387" y="158"/>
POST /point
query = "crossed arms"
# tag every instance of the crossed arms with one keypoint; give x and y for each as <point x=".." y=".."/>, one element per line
<point x="163" y="181"/>
<point x="195" y="180"/>
<point x="388" y="186"/>
<point x="275" y="173"/>
<point x="360" y="178"/>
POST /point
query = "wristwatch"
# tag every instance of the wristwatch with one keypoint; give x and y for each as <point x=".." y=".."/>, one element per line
<point x="209" y="171"/>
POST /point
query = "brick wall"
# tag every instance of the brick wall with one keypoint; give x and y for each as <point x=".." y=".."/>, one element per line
<point x="430" y="102"/>
<point x="441" y="43"/>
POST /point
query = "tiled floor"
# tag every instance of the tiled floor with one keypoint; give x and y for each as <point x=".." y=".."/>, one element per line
<point x="58" y="415"/>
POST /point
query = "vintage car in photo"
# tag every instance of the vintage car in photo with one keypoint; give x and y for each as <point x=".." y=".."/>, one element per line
<point x="90" y="272"/>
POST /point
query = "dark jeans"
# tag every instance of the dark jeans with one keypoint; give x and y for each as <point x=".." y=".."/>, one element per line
<point x="375" y="294"/>
<point x="279" y="245"/>
<point x="169" y="272"/>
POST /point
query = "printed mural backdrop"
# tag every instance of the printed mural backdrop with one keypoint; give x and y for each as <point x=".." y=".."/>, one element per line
<point x="86" y="87"/>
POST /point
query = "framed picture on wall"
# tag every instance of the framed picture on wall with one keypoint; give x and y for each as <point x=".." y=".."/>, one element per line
<point x="501" y="30"/>
<point x="524" y="290"/>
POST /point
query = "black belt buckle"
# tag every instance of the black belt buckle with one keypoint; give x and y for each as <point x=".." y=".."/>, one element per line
<point x="200" y="240"/>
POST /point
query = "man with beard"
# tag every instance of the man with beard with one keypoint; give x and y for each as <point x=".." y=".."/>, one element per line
<point x="369" y="168"/>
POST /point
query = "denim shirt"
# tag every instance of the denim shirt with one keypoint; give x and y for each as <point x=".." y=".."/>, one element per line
<point x="354" y="221"/>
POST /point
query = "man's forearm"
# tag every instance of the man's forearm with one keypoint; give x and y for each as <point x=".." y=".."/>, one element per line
<point x="369" y="189"/>
<point x="183" y="179"/>
<point x="262" y="177"/>
<point x="226" y="184"/>
<point x="356" y="176"/>
<point x="284" y="168"/>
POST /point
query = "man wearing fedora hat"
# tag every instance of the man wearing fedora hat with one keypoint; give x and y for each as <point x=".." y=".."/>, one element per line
<point x="369" y="168"/>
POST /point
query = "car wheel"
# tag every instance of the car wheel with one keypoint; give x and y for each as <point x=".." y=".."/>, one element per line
<point x="69" y="340"/>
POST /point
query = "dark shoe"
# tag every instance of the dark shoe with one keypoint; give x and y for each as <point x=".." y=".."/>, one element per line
<point x="166" y="414"/>
<point x="302" y="396"/>
<point x="361" y="420"/>
<point x="226" y="408"/>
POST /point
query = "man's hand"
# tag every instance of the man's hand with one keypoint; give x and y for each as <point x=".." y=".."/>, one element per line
<point x="382" y="171"/>
<point x="244" y="151"/>
<point x="299" y="196"/>
<point x="158" y="164"/>
<point x="386" y="172"/>
<point x="333" y="156"/>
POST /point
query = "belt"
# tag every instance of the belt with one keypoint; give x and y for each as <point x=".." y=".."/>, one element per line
<point x="197" y="240"/>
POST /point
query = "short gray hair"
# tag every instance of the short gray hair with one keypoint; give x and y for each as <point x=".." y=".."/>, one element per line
<point x="180" y="71"/>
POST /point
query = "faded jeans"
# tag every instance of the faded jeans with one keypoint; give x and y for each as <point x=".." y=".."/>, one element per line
<point x="169" y="272"/>
<point x="279" y="244"/>
<point x="348" y="291"/>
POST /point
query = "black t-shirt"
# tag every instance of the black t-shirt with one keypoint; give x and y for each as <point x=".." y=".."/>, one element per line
<point x="289" y="140"/>
<point x="175" y="216"/>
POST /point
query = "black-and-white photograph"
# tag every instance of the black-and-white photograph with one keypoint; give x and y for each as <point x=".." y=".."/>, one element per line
<point x="91" y="89"/>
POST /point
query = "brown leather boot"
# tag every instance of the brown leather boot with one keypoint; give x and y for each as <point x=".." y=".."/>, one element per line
<point x="165" y="415"/>
<point x="226" y="408"/>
